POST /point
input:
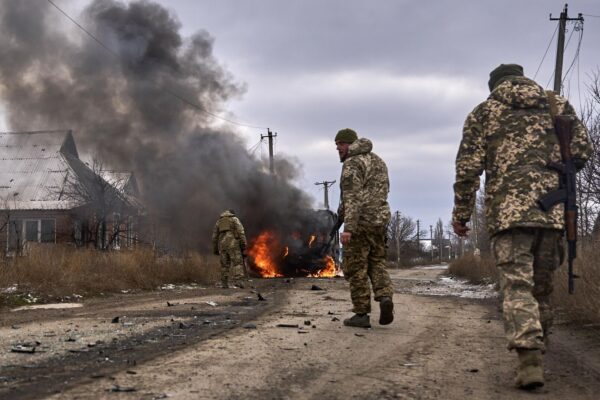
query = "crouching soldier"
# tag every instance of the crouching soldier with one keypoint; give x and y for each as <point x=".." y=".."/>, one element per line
<point x="229" y="241"/>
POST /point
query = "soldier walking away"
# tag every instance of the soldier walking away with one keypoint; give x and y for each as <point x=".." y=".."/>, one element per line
<point x="365" y="212"/>
<point x="229" y="241"/>
<point x="511" y="136"/>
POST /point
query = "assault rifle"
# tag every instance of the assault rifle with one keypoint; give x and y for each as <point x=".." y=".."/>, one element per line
<point x="567" y="191"/>
<point x="332" y="236"/>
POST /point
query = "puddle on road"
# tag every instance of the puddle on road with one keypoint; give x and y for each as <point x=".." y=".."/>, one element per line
<point x="52" y="306"/>
<point x="450" y="286"/>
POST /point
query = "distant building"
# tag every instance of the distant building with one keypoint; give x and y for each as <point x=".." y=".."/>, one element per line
<point x="48" y="195"/>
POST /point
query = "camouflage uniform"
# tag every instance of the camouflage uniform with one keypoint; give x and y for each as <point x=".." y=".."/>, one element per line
<point x="511" y="137"/>
<point x="364" y="186"/>
<point x="229" y="241"/>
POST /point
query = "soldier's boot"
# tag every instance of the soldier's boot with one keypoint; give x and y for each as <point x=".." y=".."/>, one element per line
<point x="530" y="373"/>
<point x="386" y="308"/>
<point x="224" y="284"/>
<point x="358" y="321"/>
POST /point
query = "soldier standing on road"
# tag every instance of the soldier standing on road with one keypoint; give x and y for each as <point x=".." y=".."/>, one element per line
<point x="229" y="241"/>
<point x="511" y="137"/>
<point x="364" y="209"/>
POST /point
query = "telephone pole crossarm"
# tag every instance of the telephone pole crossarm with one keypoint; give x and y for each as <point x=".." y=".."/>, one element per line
<point x="560" y="45"/>
<point x="326" y="186"/>
<point x="270" y="135"/>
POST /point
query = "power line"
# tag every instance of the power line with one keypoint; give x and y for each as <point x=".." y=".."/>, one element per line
<point x="547" y="48"/>
<point x="168" y="91"/>
<point x="590" y="15"/>
<point x="576" y="56"/>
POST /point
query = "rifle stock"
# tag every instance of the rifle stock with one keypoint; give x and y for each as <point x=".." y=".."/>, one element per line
<point x="567" y="191"/>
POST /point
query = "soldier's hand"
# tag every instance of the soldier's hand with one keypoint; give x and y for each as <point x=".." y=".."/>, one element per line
<point x="460" y="229"/>
<point x="345" y="237"/>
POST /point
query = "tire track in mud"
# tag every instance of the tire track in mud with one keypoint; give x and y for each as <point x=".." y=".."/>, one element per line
<point x="23" y="381"/>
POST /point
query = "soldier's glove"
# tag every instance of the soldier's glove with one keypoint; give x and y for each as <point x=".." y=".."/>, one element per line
<point x="460" y="228"/>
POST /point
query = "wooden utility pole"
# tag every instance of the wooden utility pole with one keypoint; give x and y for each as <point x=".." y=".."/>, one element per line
<point x="326" y="186"/>
<point x="270" y="135"/>
<point x="431" y="238"/>
<point x="418" y="238"/>
<point x="398" y="239"/>
<point x="560" y="49"/>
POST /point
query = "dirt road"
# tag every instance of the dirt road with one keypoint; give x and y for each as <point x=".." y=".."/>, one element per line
<point x="226" y="344"/>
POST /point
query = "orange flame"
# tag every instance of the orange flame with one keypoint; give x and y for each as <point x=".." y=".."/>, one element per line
<point x="311" y="240"/>
<point x="329" y="271"/>
<point x="286" y="252"/>
<point x="261" y="254"/>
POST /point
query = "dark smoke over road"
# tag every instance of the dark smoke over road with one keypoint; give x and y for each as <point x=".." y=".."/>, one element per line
<point x="53" y="76"/>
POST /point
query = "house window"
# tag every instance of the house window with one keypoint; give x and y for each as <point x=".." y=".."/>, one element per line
<point x="39" y="230"/>
<point x="48" y="231"/>
<point x="31" y="231"/>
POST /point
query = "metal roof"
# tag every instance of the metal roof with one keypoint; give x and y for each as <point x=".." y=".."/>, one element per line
<point x="35" y="168"/>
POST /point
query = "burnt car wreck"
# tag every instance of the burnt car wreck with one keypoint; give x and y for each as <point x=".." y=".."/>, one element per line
<point x="309" y="249"/>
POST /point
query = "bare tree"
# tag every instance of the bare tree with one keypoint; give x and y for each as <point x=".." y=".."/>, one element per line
<point x="401" y="232"/>
<point x="588" y="179"/>
<point x="100" y="205"/>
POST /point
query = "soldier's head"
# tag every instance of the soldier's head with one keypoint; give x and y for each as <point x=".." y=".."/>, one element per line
<point x="344" y="138"/>
<point x="231" y="210"/>
<point x="502" y="71"/>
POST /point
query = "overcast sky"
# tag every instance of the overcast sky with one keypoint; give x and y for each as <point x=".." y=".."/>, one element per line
<point x="401" y="73"/>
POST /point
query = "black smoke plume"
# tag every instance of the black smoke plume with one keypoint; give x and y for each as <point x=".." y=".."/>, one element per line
<point x="121" y="109"/>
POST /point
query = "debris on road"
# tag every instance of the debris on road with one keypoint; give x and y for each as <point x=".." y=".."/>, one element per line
<point x="249" y="325"/>
<point x="315" y="287"/>
<point x="117" y="388"/>
<point x="260" y="297"/>
<point x="211" y="303"/>
<point x="20" y="348"/>
<point x="287" y="326"/>
<point x="115" y="320"/>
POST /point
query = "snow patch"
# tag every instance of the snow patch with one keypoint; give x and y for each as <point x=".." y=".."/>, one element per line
<point x="52" y="306"/>
<point x="450" y="286"/>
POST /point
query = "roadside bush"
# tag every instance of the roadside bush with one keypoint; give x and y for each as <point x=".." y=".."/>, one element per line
<point x="54" y="271"/>
<point x="474" y="269"/>
<point x="584" y="304"/>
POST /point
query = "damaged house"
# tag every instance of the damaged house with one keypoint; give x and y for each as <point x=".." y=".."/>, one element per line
<point x="48" y="195"/>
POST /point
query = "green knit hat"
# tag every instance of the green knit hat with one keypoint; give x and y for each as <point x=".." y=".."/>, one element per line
<point x="346" y="135"/>
<point x="503" y="70"/>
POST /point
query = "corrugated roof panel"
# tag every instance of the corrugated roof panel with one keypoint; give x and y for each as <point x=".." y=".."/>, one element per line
<point x="33" y="170"/>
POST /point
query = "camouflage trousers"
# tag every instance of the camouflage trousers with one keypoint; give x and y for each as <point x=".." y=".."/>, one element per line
<point x="232" y="264"/>
<point x="526" y="259"/>
<point x="364" y="261"/>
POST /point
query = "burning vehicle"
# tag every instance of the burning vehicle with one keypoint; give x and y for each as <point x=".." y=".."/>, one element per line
<point x="309" y="250"/>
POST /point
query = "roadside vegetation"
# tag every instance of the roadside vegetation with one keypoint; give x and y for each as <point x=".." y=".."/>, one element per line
<point x="58" y="273"/>
<point x="583" y="306"/>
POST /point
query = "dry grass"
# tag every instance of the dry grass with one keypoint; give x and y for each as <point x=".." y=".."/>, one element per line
<point x="474" y="269"/>
<point x="55" y="272"/>
<point x="584" y="304"/>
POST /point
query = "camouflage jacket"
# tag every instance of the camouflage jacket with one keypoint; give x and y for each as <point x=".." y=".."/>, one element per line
<point x="228" y="232"/>
<point x="364" y="188"/>
<point x="511" y="136"/>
